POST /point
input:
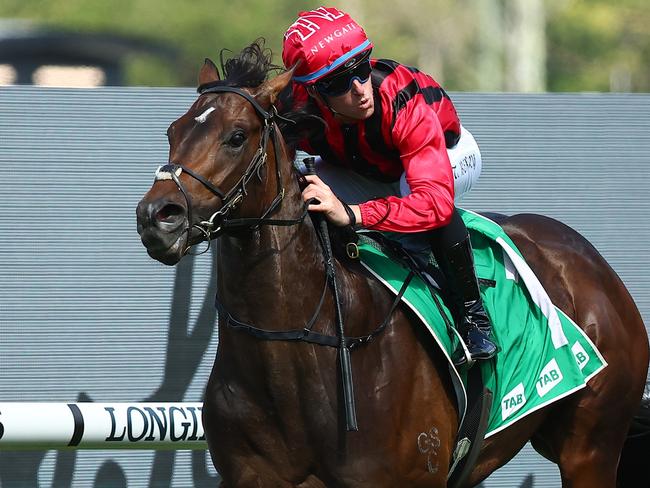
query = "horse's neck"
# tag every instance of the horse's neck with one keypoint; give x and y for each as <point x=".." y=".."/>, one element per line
<point x="271" y="266"/>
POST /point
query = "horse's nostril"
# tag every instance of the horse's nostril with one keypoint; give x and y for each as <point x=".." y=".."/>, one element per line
<point x="169" y="213"/>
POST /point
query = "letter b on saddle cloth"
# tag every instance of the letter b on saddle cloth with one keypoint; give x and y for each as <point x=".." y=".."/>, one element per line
<point x="524" y="320"/>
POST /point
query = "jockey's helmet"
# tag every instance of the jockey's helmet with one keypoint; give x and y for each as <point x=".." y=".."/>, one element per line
<point x="323" y="41"/>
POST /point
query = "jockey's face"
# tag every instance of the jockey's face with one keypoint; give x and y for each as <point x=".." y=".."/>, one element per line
<point x="357" y="103"/>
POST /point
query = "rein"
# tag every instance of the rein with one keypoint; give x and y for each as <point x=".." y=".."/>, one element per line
<point x="218" y="223"/>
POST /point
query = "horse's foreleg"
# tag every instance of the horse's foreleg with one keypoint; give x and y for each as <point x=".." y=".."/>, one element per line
<point x="588" y="456"/>
<point x="310" y="482"/>
<point x="593" y="470"/>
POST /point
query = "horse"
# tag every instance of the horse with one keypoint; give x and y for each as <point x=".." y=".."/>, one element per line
<point x="272" y="408"/>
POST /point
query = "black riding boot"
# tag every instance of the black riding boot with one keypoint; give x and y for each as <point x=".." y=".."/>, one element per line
<point x="473" y="324"/>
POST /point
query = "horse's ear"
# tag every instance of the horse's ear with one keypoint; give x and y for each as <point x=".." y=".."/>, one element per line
<point x="209" y="72"/>
<point x="268" y="92"/>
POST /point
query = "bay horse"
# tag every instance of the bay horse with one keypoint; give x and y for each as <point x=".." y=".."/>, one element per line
<point x="271" y="412"/>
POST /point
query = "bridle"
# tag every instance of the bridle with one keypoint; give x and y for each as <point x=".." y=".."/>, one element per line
<point x="218" y="222"/>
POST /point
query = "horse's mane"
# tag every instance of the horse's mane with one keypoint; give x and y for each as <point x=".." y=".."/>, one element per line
<point x="249" y="69"/>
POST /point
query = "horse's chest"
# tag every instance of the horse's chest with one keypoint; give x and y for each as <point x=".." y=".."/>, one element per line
<point x="256" y="431"/>
<point x="264" y="412"/>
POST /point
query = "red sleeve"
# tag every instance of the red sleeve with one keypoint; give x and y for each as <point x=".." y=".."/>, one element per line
<point x="419" y="138"/>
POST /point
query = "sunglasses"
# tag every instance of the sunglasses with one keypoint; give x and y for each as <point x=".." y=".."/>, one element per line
<point x="341" y="82"/>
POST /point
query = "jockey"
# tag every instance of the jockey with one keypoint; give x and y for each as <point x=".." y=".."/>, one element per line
<point x="394" y="147"/>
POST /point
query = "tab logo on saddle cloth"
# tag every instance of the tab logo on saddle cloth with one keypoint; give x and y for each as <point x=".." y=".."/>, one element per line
<point x="549" y="378"/>
<point x="582" y="358"/>
<point x="513" y="401"/>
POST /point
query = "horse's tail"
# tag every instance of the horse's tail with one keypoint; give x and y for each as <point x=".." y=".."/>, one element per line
<point x="635" y="458"/>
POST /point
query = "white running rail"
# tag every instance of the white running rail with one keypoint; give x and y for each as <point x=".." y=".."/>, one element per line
<point x="42" y="425"/>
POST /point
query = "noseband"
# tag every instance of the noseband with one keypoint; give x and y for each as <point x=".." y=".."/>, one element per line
<point x="219" y="221"/>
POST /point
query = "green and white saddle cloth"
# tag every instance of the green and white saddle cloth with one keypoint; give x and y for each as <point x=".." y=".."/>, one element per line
<point x="544" y="355"/>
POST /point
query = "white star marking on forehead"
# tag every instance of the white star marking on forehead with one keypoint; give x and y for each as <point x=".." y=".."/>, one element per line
<point x="201" y="118"/>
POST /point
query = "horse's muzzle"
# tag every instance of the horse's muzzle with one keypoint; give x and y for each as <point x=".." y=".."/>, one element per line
<point x="162" y="226"/>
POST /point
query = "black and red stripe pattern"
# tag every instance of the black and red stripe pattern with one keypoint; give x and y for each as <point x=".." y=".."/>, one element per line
<point x="367" y="147"/>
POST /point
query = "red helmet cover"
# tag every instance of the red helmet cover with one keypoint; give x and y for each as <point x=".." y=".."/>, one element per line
<point x="320" y="41"/>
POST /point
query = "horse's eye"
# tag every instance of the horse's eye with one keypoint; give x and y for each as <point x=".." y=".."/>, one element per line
<point x="237" y="139"/>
